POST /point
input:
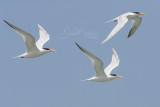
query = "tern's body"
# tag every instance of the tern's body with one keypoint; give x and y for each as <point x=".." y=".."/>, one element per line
<point x="122" y="20"/>
<point x="103" y="78"/>
<point x="101" y="74"/>
<point x="33" y="49"/>
<point x="32" y="54"/>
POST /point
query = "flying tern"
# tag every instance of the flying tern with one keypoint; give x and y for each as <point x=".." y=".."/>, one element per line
<point x="102" y="75"/>
<point x="122" y="20"/>
<point x="34" y="49"/>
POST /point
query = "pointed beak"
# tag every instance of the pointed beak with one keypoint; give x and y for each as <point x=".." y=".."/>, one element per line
<point x="119" y="76"/>
<point x="142" y="14"/>
<point x="51" y="50"/>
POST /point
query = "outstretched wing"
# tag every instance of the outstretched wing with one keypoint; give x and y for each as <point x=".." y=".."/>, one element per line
<point x="114" y="63"/>
<point x="44" y="37"/>
<point x="135" y="24"/>
<point x="28" y="38"/>
<point x="98" y="64"/>
<point x="121" y="22"/>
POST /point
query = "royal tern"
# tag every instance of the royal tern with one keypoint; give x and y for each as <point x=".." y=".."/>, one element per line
<point x="122" y="20"/>
<point x="33" y="49"/>
<point x="102" y="75"/>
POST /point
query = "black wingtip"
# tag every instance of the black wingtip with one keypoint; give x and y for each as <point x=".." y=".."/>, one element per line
<point x="12" y="26"/>
<point x="5" y="21"/>
<point x="129" y="35"/>
<point x="77" y="44"/>
<point x="79" y="47"/>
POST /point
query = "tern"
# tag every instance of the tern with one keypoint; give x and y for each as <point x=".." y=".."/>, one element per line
<point x="33" y="49"/>
<point x="122" y="20"/>
<point x="102" y="75"/>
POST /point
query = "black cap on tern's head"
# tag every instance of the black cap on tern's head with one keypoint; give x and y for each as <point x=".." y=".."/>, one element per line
<point x="49" y="50"/>
<point x="116" y="76"/>
<point x="136" y="12"/>
<point x="113" y="74"/>
<point x="46" y="48"/>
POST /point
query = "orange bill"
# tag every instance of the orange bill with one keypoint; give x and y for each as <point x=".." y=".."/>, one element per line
<point x="142" y="14"/>
<point x="119" y="76"/>
<point x="51" y="50"/>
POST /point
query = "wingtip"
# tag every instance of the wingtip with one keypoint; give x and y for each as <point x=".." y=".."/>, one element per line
<point x="42" y="29"/>
<point x="113" y="49"/>
<point x="129" y="35"/>
<point x="104" y="41"/>
<point x="79" y="47"/>
<point x="115" y="54"/>
<point x="9" y="24"/>
<point x="39" y="26"/>
<point x="76" y="43"/>
<point x="5" y="21"/>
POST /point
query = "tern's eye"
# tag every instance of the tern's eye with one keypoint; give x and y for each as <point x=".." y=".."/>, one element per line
<point x="46" y="48"/>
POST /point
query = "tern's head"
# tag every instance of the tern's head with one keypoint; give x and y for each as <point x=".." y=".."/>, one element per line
<point x="132" y="15"/>
<point x="138" y="13"/>
<point x="49" y="50"/>
<point x="115" y="76"/>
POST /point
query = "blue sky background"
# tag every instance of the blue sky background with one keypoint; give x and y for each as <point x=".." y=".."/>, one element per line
<point x="54" y="80"/>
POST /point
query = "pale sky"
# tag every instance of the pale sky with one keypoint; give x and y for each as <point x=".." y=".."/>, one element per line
<point x="54" y="80"/>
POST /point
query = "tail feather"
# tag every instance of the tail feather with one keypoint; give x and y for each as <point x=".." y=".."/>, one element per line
<point x="105" y="40"/>
<point x="83" y="80"/>
<point x="114" y="20"/>
<point x="18" y="56"/>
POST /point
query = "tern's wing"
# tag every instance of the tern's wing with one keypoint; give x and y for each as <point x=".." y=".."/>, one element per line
<point x="121" y="22"/>
<point x="114" y="63"/>
<point x="44" y="37"/>
<point x="28" y="38"/>
<point x="135" y="24"/>
<point x="98" y="64"/>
